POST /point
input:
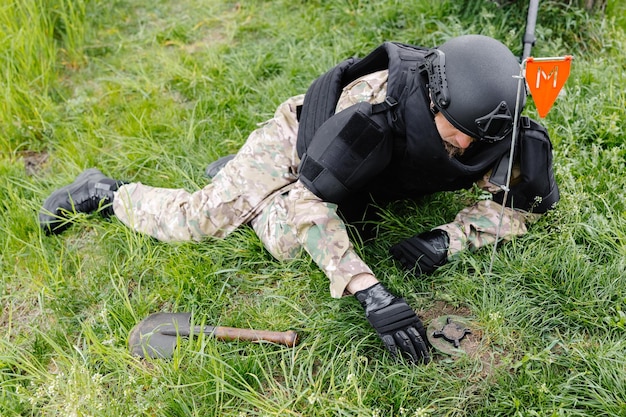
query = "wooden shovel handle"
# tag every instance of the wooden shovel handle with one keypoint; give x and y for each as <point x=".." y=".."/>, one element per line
<point x="177" y="324"/>
<point x="288" y="338"/>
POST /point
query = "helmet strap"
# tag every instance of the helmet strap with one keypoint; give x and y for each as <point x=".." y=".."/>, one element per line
<point x="433" y="109"/>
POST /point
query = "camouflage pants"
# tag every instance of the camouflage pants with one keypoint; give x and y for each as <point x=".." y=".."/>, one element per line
<point x="258" y="186"/>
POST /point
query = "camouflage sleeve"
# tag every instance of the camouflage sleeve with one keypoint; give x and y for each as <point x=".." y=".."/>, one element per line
<point x="477" y="226"/>
<point x="314" y="224"/>
<point x="322" y="234"/>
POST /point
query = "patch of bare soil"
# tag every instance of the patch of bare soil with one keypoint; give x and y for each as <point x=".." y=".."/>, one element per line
<point x="34" y="162"/>
<point x="19" y="317"/>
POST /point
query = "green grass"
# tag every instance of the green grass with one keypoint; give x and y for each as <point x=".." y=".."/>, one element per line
<point x="153" y="91"/>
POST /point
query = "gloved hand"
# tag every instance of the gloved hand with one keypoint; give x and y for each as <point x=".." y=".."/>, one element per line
<point x="423" y="253"/>
<point x="396" y="323"/>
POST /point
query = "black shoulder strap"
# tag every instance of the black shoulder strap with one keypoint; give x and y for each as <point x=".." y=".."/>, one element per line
<point x="319" y="103"/>
<point x="376" y="60"/>
<point x="321" y="98"/>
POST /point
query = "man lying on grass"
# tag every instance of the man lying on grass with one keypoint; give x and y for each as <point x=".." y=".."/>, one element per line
<point x="401" y="123"/>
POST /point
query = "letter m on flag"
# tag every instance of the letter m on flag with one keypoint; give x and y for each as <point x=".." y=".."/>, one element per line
<point x="545" y="78"/>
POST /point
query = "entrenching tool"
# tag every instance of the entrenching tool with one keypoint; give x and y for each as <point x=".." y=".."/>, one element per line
<point x="156" y="335"/>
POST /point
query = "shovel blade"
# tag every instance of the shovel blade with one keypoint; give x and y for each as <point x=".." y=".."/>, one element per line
<point x="153" y="337"/>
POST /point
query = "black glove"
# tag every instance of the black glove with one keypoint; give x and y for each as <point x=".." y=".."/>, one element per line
<point x="396" y="323"/>
<point x="423" y="253"/>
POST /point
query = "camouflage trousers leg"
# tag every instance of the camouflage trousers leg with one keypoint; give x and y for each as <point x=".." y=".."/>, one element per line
<point x="265" y="164"/>
<point x="258" y="186"/>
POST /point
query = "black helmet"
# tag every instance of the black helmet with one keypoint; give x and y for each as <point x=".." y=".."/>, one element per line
<point x="473" y="82"/>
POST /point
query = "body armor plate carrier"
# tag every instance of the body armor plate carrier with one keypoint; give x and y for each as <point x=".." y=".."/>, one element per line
<point x="393" y="150"/>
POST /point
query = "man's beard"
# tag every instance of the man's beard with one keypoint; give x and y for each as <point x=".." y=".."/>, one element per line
<point x="452" y="150"/>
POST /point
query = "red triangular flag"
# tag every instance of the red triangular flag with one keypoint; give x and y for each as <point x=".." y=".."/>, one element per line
<point x="545" y="78"/>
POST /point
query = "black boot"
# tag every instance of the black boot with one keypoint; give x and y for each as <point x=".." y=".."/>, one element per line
<point x="91" y="191"/>
<point x="216" y="166"/>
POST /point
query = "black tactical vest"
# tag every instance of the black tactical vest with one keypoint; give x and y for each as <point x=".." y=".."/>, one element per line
<point x="419" y="164"/>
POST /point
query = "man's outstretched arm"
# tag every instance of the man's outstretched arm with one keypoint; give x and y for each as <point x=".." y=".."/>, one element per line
<point x="473" y="227"/>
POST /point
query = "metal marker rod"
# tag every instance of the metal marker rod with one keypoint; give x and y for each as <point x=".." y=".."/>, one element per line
<point x="528" y="41"/>
<point x="551" y="58"/>
<point x="520" y="83"/>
